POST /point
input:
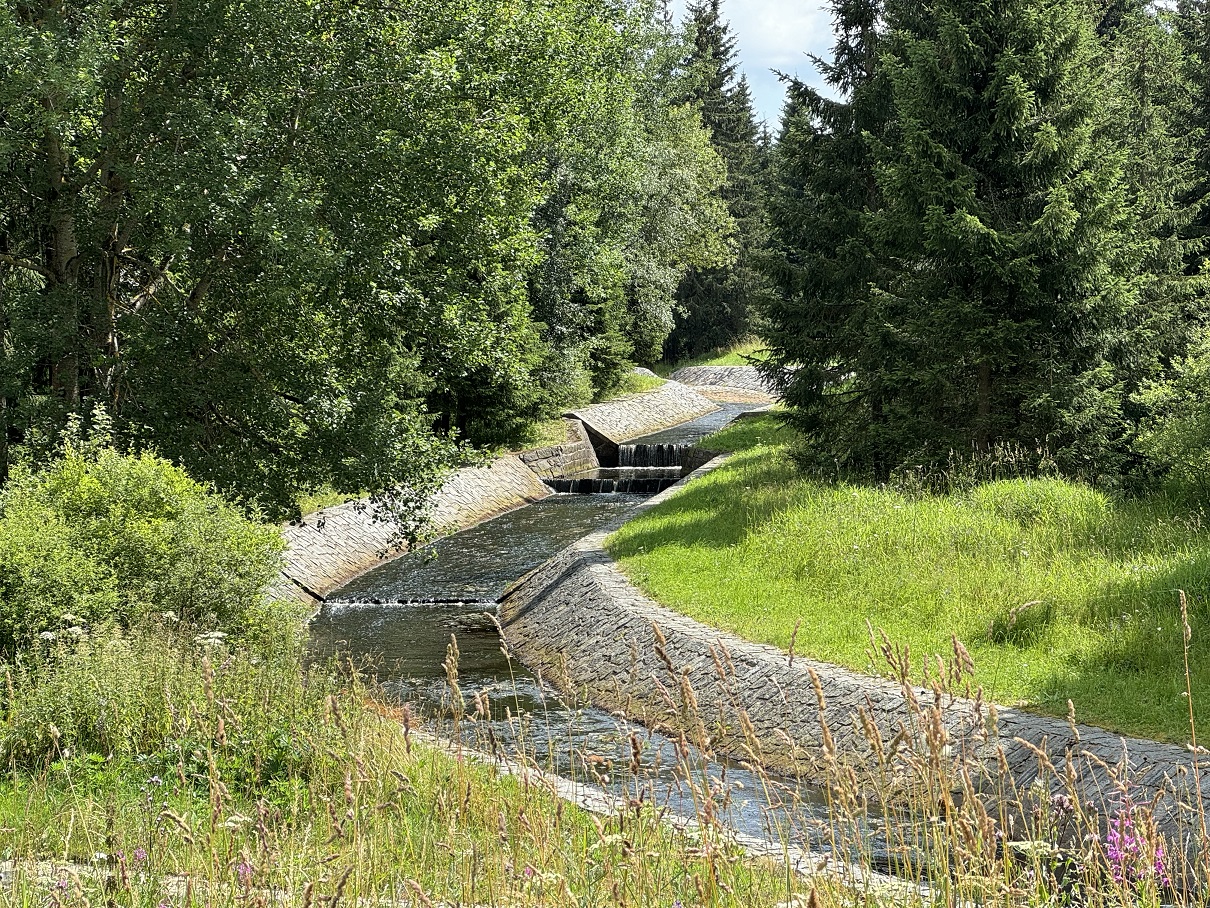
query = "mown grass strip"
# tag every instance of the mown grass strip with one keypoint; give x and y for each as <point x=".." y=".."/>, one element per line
<point x="1058" y="590"/>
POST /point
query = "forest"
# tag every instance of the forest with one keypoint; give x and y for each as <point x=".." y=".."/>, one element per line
<point x="259" y="255"/>
<point x="991" y="244"/>
<point x="294" y="247"/>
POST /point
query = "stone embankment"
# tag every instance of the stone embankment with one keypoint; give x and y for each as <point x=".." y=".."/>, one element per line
<point x="739" y="378"/>
<point x="644" y="414"/>
<point x="331" y="547"/>
<point x="575" y="455"/>
<point x="580" y="623"/>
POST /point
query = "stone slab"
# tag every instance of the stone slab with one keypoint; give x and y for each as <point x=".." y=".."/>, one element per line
<point x="743" y="378"/>
<point x="644" y="414"/>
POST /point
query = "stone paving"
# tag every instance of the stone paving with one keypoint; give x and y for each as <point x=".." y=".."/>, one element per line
<point x="644" y="414"/>
<point x="331" y="547"/>
<point x="576" y="455"/>
<point x="579" y="622"/>
<point x="743" y="378"/>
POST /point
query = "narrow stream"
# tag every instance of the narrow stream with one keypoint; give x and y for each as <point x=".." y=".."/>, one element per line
<point x="399" y="620"/>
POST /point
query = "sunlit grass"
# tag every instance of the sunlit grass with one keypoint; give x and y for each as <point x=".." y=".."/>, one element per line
<point x="1059" y="591"/>
<point x="311" y="502"/>
<point x="148" y="770"/>
<point x="544" y="434"/>
<point x="636" y="383"/>
<point x="740" y="354"/>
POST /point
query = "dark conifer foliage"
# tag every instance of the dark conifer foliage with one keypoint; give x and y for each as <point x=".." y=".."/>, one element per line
<point x="716" y="304"/>
<point x="1149" y="109"/>
<point x="1193" y="28"/>
<point x="1010" y="216"/>
<point x="822" y="329"/>
<point x="985" y="241"/>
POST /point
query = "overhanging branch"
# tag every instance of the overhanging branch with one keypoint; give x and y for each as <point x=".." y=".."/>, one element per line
<point x="28" y="265"/>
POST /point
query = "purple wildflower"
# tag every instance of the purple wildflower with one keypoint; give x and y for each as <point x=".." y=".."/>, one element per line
<point x="244" y="871"/>
<point x="139" y="857"/>
<point x="1160" y="869"/>
<point x="1122" y="847"/>
<point x="1125" y="849"/>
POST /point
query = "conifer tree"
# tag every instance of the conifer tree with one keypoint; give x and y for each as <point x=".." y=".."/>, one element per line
<point x="1193" y="27"/>
<point x="824" y="335"/>
<point x="1149" y="104"/>
<point x="715" y="304"/>
<point x="1008" y="216"/>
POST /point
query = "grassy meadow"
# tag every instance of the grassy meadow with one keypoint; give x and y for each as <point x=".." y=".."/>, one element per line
<point x="1059" y="591"/>
<point x="222" y="776"/>
<point x="739" y="354"/>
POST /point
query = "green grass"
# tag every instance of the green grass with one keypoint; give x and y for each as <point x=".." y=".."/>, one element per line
<point x="544" y="434"/>
<point x="135" y="763"/>
<point x="737" y="355"/>
<point x="1059" y="591"/>
<point x="310" y="502"/>
<point x="635" y="383"/>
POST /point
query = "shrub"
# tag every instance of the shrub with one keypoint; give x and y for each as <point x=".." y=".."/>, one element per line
<point x="108" y="537"/>
<point x="1176" y="438"/>
<point x="170" y="699"/>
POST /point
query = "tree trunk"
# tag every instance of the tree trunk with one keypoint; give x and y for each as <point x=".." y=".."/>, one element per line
<point x="3" y="439"/>
<point x="984" y="409"/>
<point x="62" y="260"/>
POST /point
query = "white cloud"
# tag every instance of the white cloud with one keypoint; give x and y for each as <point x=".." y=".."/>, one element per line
<point x="775" y="34"/>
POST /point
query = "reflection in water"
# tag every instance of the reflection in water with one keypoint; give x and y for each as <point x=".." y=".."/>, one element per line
<point x="405" y="646"/>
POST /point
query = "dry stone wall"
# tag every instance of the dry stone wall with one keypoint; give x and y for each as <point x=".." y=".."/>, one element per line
<point x="579" y="622"/>
<point x="643" y="414"/>
<point x="331" y="547"/>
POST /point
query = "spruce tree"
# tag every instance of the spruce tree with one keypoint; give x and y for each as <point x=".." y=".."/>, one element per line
<point x="1193" y="26"/>
<point x="1149" y="107"/>
<point x="1007" y="215"/>
<point x="825" y="337"/>
<point x="715" y="304"/>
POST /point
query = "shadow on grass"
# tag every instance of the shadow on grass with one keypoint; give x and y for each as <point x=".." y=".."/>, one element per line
<point x="717" y="511"/>
<point x="1132" y="679"/>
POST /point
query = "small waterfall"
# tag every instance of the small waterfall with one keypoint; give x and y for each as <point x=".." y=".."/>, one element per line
<point x="665" y="455"/>
<point x="625" y="481"/>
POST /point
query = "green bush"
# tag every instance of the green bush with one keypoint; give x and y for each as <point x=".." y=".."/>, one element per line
<point x="104" y="537"/>
<point x="1176" y="439"/>
<point x="171" y="700"/>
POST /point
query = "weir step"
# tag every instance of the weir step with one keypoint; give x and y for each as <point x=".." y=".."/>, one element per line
<point x="652" y="485"/>
<point x="654" y="455"/>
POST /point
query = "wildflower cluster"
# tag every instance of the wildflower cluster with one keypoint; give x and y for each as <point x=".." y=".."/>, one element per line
<point x="1130" y="860"/>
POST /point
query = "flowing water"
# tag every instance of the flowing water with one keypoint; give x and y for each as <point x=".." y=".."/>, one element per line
<point x="399" y="620"/>
<point x="626" y="480"/>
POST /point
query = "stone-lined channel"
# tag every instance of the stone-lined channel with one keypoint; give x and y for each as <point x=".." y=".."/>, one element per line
<point x="399" y="618"/>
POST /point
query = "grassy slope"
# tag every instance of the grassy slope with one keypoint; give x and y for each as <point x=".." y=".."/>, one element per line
<point x="732" y="356"/>
<point x="753" y="548"/>
<point x="635" y="383"/>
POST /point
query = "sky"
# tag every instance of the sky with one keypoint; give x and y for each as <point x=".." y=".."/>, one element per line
<point x="775" y="34"/>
